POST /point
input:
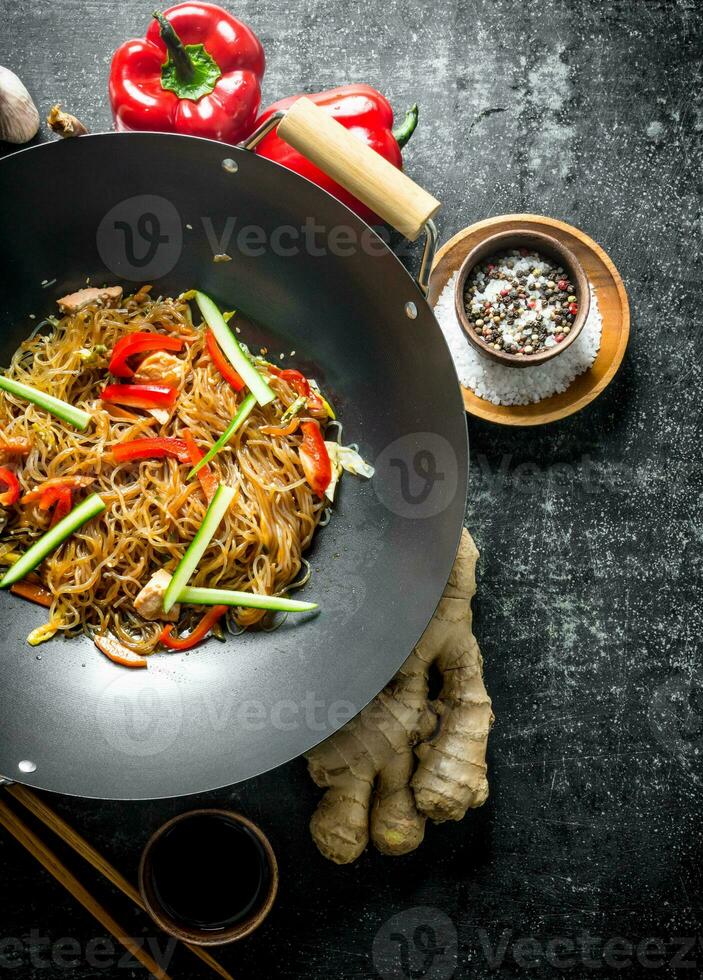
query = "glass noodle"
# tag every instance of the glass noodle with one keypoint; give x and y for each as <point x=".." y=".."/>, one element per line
<point x="153" y="511"/>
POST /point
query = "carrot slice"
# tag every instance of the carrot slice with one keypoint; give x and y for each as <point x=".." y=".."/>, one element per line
<point x="15" y="447"/>
<point x="208" y="480"/>
<point x="33" y="592"/>
<point x="274" y="430"/>
<point x="118" y="653"/>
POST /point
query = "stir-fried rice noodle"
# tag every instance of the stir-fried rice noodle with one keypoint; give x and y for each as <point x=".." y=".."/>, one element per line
<point x="153" y="511"/>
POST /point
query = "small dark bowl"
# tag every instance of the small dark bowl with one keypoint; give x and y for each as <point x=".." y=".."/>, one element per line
<point x="544" y="245"/>
<point x="186" y="932"/>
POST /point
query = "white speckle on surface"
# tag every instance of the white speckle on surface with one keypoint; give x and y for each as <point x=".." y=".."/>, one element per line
<point x="655" y="130"/>
<point x="516" y="386"/>
<point x="549" y="89"/>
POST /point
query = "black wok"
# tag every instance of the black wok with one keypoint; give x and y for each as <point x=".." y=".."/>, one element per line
<point x="71" y="721"/>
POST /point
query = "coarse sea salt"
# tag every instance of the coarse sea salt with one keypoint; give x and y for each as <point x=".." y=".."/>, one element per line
<point x="517" y="386"/>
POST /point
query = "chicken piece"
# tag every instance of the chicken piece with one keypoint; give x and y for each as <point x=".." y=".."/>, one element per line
<point x="160" y="368"/>
<point x="150" y="601"/>
<point x="110" y="296"/>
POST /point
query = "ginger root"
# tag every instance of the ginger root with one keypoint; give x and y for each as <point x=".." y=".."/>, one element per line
<point x="417" y="758"/>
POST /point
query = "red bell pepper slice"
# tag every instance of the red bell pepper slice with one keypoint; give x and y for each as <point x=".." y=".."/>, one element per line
<point x="197" y="71"/>
<point x="138" y="343"/>
<point x="299" y="383"/>
<point x="12" y="494"/>
<point x="57" y="493"/>
<point x="62" y="497"/>
<point x="198" y="634"/>
<point x="47" y="488"/>
<point x="141" y="396"/>
<point x="221" y="362"/>
<point x="208" y="480"/>
<point x="314" y="458"/>
<point x="295" y="379"/>
<point x="358" y="108"/>
<point x="151" y="449"/>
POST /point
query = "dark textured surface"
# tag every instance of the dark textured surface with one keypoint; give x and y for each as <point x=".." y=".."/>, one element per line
<point x="588" y="610"/>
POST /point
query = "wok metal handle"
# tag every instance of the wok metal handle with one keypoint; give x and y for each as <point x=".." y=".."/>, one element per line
<point x="359" y="169"/>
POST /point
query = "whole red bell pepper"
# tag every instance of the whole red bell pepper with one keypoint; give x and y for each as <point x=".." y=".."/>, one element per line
<point x="360" y="109"/>
<point x="197" y="71"/>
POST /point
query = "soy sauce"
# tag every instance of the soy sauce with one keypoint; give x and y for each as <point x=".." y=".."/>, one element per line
<point x="209" y="872"/>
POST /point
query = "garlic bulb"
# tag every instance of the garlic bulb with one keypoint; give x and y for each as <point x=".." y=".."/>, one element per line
<point x="19" y="119"/>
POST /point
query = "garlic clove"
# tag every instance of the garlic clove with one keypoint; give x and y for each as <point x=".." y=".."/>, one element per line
<point x="19" y="119"/>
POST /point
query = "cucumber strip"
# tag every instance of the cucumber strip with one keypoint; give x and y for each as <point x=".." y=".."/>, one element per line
<point x="88" y="508"/>
<point x="227" y="597"/>
<point x="229" y="345"/>
<point x="62" y="410"/>
<point x="196" y="549"/>
<point x="239" y="419"/>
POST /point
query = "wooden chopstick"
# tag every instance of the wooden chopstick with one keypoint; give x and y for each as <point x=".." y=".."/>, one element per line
<point x="11" y="822"/>
<point x="54" y="822"/>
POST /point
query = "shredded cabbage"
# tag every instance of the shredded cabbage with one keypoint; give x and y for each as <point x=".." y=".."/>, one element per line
<point x="345" y="458"/>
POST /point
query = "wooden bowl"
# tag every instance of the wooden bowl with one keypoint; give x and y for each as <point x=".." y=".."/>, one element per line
<point x="186" y="932"/>
<point x="542" y="244"/>
<point x="611" y="296"/>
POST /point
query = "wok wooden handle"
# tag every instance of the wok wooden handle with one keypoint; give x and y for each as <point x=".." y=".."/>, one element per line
<point x="363" y="172"/>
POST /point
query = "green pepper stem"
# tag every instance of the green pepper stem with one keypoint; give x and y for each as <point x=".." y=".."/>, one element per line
<point x="174" y="46"/>
<point x="404" y="131"/>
